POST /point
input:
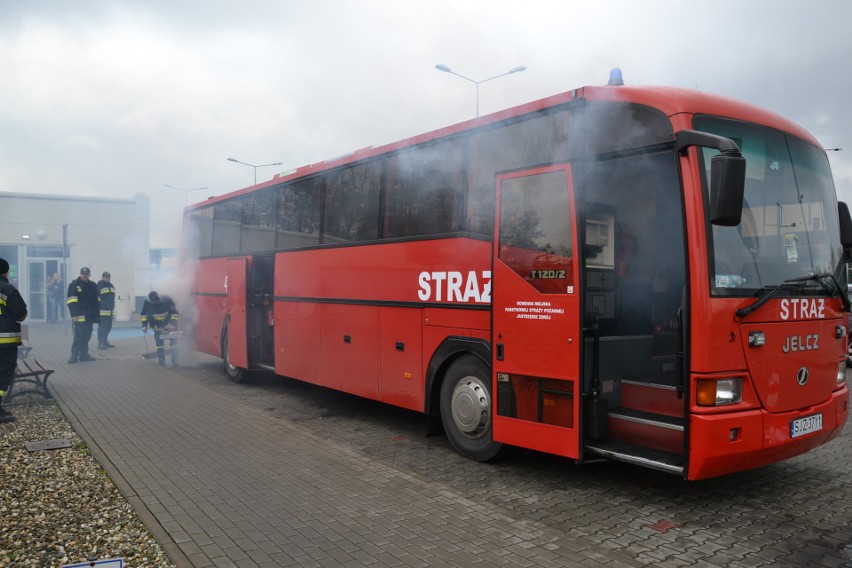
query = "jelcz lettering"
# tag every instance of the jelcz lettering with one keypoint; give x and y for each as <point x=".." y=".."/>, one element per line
<point x="796" y="343"/>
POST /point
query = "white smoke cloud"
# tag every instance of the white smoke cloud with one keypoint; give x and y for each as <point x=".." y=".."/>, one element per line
<point x="126" y="97"/>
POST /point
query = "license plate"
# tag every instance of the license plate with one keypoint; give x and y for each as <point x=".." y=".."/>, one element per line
<point x="806" y="425"/>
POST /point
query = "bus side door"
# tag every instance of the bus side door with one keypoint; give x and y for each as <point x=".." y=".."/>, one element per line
<point x="536" y="334"/>
<point x="237" y="327"/>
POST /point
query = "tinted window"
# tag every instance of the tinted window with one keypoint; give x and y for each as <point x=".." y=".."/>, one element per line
<point x="603" y="127"/>
<point x="298" y="223"/>
<point x="258" y="221"/>
<point x="352" y="204"/>
<point x="226" y="227"/>
<point x="539" y="140"/>
<point x="199" y="236"/>
<point x="423" y="190"/>
<point x="535" y="230"/>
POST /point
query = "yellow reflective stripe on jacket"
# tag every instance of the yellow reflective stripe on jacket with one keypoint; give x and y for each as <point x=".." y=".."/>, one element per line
<point x="72" y="300"/>
<point x="106" y="313"/>
<point x="13" y="338"/>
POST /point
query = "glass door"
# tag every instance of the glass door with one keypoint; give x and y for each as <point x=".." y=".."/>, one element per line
<point x="37" y="304"/>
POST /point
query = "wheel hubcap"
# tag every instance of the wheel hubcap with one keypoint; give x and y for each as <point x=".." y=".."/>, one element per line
<point x="471" y="407"/>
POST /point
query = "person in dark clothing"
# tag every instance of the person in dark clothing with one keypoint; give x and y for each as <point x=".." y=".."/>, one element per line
<point x="106" y="293"/>
<point x="84" y="308"/>
<point x="55" y="290"/>
<point x="13" y="310"/>
<point x="161" y="315"/>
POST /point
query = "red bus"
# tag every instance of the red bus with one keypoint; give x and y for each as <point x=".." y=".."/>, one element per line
<point x="645" y="274"/>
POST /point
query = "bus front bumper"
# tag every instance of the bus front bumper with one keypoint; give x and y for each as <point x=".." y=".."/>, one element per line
<point x="738" y="441"/>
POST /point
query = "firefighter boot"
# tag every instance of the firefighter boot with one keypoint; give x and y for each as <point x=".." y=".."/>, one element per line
<point x="5" y="415"/>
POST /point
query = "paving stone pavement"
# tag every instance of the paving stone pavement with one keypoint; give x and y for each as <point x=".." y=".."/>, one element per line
<point x="281" y="473"/>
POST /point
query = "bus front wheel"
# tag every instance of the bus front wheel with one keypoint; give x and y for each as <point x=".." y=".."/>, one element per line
<point x="466" y="407"/>
<point x="236" y="374"/>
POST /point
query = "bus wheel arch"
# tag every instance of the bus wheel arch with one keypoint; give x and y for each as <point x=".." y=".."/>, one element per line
<point x="236" y="374"/>
<point x="459" y="380"/>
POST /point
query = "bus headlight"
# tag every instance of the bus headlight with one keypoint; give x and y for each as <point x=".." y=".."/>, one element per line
<point x="841" y="374"/>
<point x="719" y="392"/>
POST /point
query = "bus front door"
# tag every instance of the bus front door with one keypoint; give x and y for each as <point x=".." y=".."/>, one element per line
<point x="536" y="334"/>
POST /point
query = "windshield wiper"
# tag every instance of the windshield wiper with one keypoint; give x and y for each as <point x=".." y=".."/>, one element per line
<point x="820" y="278"/>
<point x="844" y="299"/>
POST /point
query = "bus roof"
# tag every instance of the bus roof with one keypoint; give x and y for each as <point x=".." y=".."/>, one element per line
<point x="668" y="100"/>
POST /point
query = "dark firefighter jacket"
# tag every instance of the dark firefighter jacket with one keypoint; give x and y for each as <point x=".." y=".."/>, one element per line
<point x="106" y="292"/>
<point x="158" y="315"/>
<point x="83" y="300"/>
<point x="13" y="310"/>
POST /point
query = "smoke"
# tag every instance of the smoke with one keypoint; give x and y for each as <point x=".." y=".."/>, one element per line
<point x="110" y="80"/>
<point x="176" y="279"/>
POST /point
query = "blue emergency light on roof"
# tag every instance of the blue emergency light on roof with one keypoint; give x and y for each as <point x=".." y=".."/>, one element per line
<point x="615" y="78"/>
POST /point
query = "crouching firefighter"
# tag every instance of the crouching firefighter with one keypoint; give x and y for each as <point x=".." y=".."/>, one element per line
<point x="160" y="313"/>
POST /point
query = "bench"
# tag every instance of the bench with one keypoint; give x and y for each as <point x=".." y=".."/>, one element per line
<point x="31" y="372"/>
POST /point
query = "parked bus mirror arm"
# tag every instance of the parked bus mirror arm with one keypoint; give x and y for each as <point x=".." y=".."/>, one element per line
<point x="845" y="225"/>
<point x="727" y="175"/>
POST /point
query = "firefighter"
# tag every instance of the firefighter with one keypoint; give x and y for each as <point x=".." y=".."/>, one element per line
<point x="106" y="293"/>
<point x="13" y="310"/>
<point x="161" y="315"/>
<point x="84" y="308"/>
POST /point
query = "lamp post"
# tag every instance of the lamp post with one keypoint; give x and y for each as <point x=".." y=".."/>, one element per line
<point x="185" y="191"/>
<point x="445" y="69"/>
<point x="253" y="166"/>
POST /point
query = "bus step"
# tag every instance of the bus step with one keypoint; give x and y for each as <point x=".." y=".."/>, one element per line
<point x="651" y="397"/>
<point x="649" y="418"/>
<point x="646" y="457"/>
<point x="645" y="429"/>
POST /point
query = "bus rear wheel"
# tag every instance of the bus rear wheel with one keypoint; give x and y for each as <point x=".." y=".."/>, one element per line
<point x="466" y="407"/>
<point x="236" y="374"/>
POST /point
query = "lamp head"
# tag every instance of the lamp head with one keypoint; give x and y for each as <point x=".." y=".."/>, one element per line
<point x="615" y="77"/>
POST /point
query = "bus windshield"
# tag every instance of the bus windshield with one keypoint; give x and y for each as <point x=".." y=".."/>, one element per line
<point x="789" y="226"/>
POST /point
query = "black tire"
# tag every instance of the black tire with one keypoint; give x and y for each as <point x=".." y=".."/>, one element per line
<point x="466" y="409"/>
<point x="236" y="374"/>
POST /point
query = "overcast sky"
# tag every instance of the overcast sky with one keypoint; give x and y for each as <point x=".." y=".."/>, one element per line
<point x="112" y="98"/>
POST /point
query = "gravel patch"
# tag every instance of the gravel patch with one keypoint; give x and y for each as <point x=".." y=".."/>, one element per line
<point x="59" y="506"/>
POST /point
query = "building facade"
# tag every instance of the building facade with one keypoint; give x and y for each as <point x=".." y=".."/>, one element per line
<point x="42" y="235"/>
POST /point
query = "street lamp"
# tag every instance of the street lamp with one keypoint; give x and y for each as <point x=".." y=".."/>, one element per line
<point x="445" y="69"/>
<point x="185" y="191"/>
<point x="253" y="166"/>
